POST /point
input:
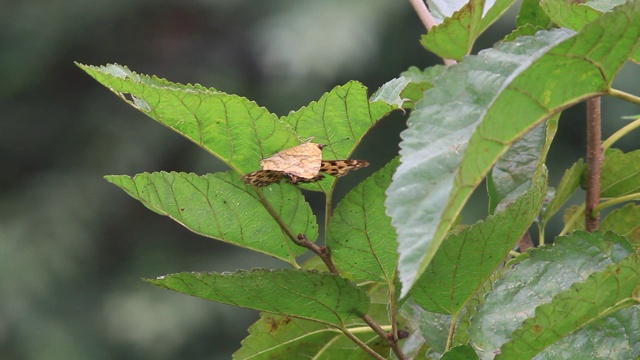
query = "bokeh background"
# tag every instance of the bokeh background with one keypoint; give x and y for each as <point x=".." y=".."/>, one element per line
<point x="73" y="248"/>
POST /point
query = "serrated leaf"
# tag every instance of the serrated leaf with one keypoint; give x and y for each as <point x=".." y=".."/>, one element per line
<point x="237" y="130"/>
<point x="567" y="186"/>
<point x="624" y="221"/>
<point x="620" y="173"/>
<point x="455" y="36"/>
<point x="233" y="128"/>
<point x="536" y="278"/>
<point x="467" y="259"/>
<point x="221" y="206"/>
<point x="458" y="131"/>
<point x="361" y="239"/>
<point x="533" y="15"/>
<point x="339" y="119"/>
<point x="310" y="295"/>
<point x="569" y="14"/>
<point x="275" y="337"/>
<point x="602" y="293"/>
<point x="524" y="30"/>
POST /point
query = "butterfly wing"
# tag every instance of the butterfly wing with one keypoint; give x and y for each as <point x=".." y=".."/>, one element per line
<point x="262" y="178"/>
<point x="339" y="168"/>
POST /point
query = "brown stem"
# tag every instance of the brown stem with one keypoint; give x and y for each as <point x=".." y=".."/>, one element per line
<point x="321" y="251"/>
<point x="393" y="342"/>
<point x="594" y="163"/>
<point x="525" y="243"/>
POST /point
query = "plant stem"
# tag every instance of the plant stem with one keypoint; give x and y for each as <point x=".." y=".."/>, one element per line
<point x="594" y="163"/>
<point x="364" y="346"/>
<point x="428" y="21"/>
<point x="616" y="201"/>
<point x="620" y="133"/>
<point x="625" y="96"/>
<point x="322" y="252"/>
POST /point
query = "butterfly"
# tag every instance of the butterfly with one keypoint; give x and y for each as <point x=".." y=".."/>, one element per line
<point x="300" y="164"/>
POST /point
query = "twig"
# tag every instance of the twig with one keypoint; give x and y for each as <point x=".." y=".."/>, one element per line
<point x="594" y="163"/>
<point x="321" y="251"/>
<point x="428" y="21"/>
<point x="364" y="346"/>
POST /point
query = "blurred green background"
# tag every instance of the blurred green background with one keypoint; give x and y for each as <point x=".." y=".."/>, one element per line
<point x="73" y="247"/>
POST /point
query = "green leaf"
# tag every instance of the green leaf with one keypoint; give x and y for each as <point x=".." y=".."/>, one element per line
<point x="513" y="173"/>
<point x="237" y="130"/>
<point x="536" y="278"/>
<point x="391" y="90"/>
<point x="421" y="80"/>
<point x="424" y="327"/>
<point x="567" y="186"/>
<point x="361" y="239"/>
<point x="524" y="30"/>
<point x="273" y="336"/>
<point x="616" y="336"/>
<point x="624" y="221"/>
<point x="455" y="36"/>
<point x="310" y="295"/>
<point x="340" y="119"/>
<point x="466" y="260"/>
<point x="234" y="129"/>
<point x="569" y="14"/>
<point x="533" y="15"/>
<point x="464" y="352"/>
<point x="458" y="130"/>
<point x="620" y="173"/>
<point x="602" y="293"/>
<point x="221" y="206"/>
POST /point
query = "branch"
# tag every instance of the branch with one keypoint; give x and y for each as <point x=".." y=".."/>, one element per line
<point x="594" y="163"/>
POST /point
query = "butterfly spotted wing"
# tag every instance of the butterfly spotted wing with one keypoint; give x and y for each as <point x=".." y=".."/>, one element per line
<point x="339" y="168"/>
<point x="262" y="178"/>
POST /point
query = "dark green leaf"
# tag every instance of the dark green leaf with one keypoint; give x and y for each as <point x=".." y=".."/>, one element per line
<point x="536" y="278"/>
<point x="616" y="336"/>
<point x="464" y="352"/>
<point x="310" y="295"/>
<point x="275" y="337"/>
<point x="361" y="239"/>
<point x="602" y="293"/>
<point x="465" y="260"/>
<point x="458" y="131"/>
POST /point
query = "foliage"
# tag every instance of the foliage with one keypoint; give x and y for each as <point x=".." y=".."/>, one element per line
<point x="398" y="267"/>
